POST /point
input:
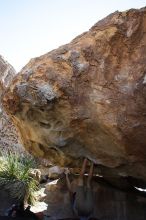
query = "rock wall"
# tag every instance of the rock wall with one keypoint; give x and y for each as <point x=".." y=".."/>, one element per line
<point x="9" y="139"/>
<point x="87" y="99"/>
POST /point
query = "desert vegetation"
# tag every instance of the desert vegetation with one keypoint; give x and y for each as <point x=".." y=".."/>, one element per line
<point x="15" y="176"/>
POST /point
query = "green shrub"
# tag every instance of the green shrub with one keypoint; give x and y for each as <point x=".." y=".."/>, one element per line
<point x="14" y="176"/>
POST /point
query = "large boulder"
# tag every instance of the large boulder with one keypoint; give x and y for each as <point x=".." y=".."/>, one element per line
<point x="88" y="98"/>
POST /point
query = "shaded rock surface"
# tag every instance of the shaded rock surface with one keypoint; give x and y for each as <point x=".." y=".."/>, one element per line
<point x="8" y="135"/>
<point x="108" y="202"/>
<point x="87" y="99"/>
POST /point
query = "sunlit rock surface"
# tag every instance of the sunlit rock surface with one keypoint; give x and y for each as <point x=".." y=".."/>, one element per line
<point x="88" y="99"/>
<point x="7" y="72"/>
<point x="8" y="135"/>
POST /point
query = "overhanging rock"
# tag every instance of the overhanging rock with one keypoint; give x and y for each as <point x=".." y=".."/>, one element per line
<point x="88" y="98"/>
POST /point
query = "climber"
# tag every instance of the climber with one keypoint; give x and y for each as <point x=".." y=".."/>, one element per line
<point x="82" y="199"/>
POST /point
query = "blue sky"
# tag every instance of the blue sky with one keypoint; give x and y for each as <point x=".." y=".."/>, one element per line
<point x="30" y="28"/>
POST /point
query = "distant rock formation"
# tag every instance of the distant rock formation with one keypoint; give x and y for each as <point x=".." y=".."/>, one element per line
<point x="8" y="135"/>
<point x="88" y="99"/>
<point x="7" y="73"/>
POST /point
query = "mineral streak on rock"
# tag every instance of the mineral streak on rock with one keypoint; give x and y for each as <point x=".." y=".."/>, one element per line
<point x="88" y="98"/>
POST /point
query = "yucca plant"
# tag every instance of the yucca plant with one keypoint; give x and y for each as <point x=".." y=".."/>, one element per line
<point x="14" y="176"/>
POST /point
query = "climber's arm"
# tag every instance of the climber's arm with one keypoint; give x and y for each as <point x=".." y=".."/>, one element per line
<point x="68" y="180"/>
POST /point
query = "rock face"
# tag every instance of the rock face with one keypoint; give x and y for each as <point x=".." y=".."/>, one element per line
<point x="8" y="135"/>
<point x="7" y="73"/>
<point x="88" y="98"/>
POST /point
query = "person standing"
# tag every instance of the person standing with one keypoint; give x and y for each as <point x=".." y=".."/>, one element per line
<point x="82" y="200"/>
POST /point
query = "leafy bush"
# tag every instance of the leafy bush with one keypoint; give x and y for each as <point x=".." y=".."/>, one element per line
<point x="14" y="176"/>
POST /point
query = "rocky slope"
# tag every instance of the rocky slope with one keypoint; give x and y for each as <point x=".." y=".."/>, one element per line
<point x="87" y="99"/>
<point x="8" y="135"/>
